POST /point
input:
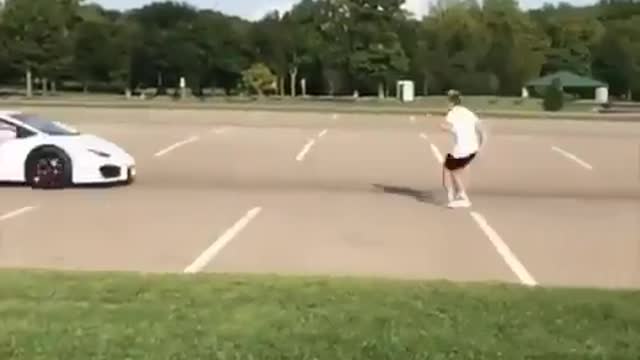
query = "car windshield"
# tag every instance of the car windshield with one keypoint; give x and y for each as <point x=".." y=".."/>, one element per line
<point x="50" y="127"/>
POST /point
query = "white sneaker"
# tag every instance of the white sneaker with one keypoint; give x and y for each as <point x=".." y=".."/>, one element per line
<point x="450" y="195"/>
<point x="459" y="203"/>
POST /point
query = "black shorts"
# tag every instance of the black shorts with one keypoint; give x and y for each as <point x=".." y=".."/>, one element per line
<point x="452" y="163"/>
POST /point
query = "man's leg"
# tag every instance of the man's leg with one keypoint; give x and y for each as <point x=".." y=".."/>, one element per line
<point x="460" y="191"/>
<point x="460" y="195"/>
<point x="450" y="188"/>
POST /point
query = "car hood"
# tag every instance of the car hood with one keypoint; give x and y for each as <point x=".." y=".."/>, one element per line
<point x="97" y="143"/>
<point x="92" y="142"/>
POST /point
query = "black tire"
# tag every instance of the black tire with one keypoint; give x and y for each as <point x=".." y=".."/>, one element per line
<point x="48" y="168"/>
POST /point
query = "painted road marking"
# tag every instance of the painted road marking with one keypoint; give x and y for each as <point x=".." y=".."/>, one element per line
<point x="305" y="149"/>
<point x="573" y="157"/>
<point x="503" y="249"/>
<point x="412" y="119"/>
<point x="219" y="131"/>
<point x="436" y="153"/>
<point x="334" y="116"/>
<point x="212" y="251"/>
<point x="18" y="212"/>
<point x="434" y="149"/>
<point x="509" y="257"/>
<point x="309" y="144"/>
<point x="176" y="145"/>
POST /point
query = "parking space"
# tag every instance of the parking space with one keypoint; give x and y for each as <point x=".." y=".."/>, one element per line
<point x="570" y="242"/>
<point x="338" y="196"/>
<point x="243" y="158"/>
<point x="383" y="233"/>
<point x="120" y="229"/>
<point x="364" y="157"/>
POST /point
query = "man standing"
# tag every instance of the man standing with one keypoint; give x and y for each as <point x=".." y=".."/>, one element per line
<point x="469" y="137"/>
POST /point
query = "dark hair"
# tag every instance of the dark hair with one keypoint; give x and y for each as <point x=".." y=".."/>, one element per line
<point x="454" y="97"/>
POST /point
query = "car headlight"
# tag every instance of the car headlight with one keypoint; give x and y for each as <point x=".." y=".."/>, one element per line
<point x="100" y="153"/>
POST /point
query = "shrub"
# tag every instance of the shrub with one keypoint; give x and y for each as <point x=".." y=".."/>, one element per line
<point x="553" y="97"/>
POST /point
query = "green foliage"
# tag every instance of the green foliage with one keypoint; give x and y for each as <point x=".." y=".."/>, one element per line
<point x="337" y="46"/>
<point x="553" y="97"/>
<point x="259" y="78"/>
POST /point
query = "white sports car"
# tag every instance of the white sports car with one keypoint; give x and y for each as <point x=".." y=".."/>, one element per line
<point x="48" y="154"/>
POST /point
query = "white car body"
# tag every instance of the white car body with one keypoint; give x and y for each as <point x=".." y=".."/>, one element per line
<point x="21" y="134"/>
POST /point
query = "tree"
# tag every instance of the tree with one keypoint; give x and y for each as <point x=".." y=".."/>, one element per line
<point x="617" y="57"/>
<point x="259" y="78"/>
<point x="337" y="46"/>
<point x="516" y="41"/>
<point x="553" y="96"/>
<point x="38" y="36"/>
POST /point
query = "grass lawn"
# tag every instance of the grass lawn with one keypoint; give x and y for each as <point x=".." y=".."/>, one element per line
<point x="433" y="104"/>
<point x="67" y="316"/>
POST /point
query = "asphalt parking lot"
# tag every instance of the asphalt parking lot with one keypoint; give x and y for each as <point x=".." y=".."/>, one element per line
<point x="554" y="203"/>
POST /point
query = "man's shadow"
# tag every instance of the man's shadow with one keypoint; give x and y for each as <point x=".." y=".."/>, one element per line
<point x="425" y="196"/>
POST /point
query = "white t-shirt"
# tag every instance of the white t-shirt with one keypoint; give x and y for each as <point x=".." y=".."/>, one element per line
<point x="463" y="122"/>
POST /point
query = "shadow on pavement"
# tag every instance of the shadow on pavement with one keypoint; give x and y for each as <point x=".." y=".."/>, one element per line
<point x="429" y="196"/>
<point x="6" y="184"/>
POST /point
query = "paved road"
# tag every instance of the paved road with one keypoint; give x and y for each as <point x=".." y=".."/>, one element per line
<point x="555" y="203"/>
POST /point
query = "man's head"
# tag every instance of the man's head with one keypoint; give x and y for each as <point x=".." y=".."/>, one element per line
<point x="454" y="97"/>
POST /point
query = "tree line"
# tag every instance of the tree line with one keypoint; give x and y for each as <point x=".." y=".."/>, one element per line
<point x="336" y="47"/>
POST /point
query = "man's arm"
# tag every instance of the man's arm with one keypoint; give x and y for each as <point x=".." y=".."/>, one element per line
<point x="447" y="124"/>
<point x="482" y="133"/>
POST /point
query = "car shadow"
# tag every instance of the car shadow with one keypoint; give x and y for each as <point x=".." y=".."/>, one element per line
<point x="425" y="196"/>
<point x="74" y="186"/>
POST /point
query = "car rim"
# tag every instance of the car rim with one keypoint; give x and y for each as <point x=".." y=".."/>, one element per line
<point x="49" y="172"/>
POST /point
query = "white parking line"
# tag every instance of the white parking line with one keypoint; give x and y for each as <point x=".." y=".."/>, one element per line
<point x="210" y="253"/>
<point x="176" y="145"/>
<point x="219" y="131"/>
<point x="503" y="249"/>
<point x="573" y="157"/>
<point x="436" y="153"/>
<point x="434" y="149"/>
<point x="17" y="212"/>
<point x="509" y="257"/>
<point x="309" y="144"/>
<point x="305" y="149"/>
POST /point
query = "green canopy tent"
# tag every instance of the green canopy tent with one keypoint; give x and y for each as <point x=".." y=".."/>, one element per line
<point x="569" y="82"/>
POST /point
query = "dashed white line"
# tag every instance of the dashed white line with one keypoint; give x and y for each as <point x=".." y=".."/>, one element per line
<point x="212" y="251"/>
<point x="218" y="131"/>
<point x="573" y="157"/>
<point x="434" y="149"/>
<point x="436" y="153"/>
<point x="503" y="249"/>
<point x="176" y="145"/>
<point x="305" y="149"/>
<point x="309" y="144"/>
<point x="14" y="213"/>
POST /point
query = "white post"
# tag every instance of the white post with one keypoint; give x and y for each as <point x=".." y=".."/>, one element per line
<point x="602" y="95"/>
<point x="183" y="84"/>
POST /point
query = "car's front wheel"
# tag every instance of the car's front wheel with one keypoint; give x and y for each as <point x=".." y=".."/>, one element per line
<point x="48" y="168"/>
